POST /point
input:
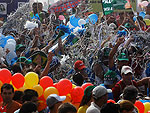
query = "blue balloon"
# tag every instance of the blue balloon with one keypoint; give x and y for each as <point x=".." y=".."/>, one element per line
<point x="93" y="18"/>
<point x="74" y="21"/>
<point x="134" y="18"/>
<point x="142" y="14"/>
<point x="3" y="41"/>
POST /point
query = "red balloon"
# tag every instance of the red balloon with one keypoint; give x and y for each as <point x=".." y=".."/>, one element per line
<point x="77" y="94"/>
<point x="85" y="85"/>
<point x="18" y="80"/>
<point x="111" y="101"/>
<point x="46" y="82"/>
<point x="140" y="106"/>
<point x="64" y="87"/>
<point x="5" y="75"/>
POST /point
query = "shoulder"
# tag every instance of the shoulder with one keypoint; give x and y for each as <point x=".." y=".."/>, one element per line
<point x="92" y="109"/>
<point x="16" y="104"/>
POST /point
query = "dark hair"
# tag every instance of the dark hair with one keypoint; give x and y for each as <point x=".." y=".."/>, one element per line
<point x="18" y="95"/>
<point x="66" y="107"/>
<point x="16" y="68"/>
<point x="29" y="94"/>
<point x="7" y="86"/>
<point x="130" y="93"/>
<point x="110" y="108"/>
<point x="28" y="107"/>
<point x="126" y="105"/>
<point x="78" y="79"/>
<point x="85" y="100"/>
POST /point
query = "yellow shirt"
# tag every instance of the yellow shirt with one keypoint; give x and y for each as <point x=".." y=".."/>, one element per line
<point x="83" y="109"/>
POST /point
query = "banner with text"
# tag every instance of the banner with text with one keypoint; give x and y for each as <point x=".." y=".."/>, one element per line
<point x="107" y="7"/>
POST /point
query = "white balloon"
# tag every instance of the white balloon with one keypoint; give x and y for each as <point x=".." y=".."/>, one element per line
<point x="11" y="40"/>
<point x="81" y="22"/>
<point x="10" y="56"/>
<point x="10" y="46"/>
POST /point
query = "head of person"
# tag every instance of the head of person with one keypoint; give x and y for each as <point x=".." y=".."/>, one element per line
<point x="7" y="92"/>
<point x="98" y="69"/>
<point x="35" y="7"/>
<point x="130" y="93"/>
<point x="121" y="15"/>
<point x="30" y="95"/>
<point x="54" y="101"/>
<point x="78" y="79"/>
<point x="100" y="95"/>
<point x="148" y="9"/>
<point x="87" y="98"/>
<point x="110" y="108"/>
<point x="110" y="78"/>
<point x="40" y="6"/>
<point x="19" y="49"/>
<point x="126" y="73"/>
<point x="67" y="108"/>
<point x="18" y="96"/>
<point x="126" y="106"/>
<point x="28" y="107"/>
<point x="122" y="60"/>
<point x="79" y="65"/>
<point x="131" y="14"/>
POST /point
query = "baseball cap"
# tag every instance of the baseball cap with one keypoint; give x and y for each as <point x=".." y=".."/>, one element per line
<point x="88" y="90"/>
<point x="79" y="65"/>
<point x="126" y="70"/>
<point x="53" y="99"/>
<point x="24" y="60"/>
<point x="109" y="77"/>
<point x="99" y="91"/>
<point x="20" y="46"/>
<point x="123" y="57"/>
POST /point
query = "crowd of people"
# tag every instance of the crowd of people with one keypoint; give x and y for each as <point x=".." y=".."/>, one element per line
<point x="111" y="56"/>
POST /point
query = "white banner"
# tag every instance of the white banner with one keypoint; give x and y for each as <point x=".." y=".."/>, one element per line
<point x="3" y="8"/>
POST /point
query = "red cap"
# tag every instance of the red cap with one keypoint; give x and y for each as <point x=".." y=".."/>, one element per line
<point x="79" y="65"/>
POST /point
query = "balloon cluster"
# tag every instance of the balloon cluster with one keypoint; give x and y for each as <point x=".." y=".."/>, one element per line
<point x="44" y="86"/>
<point x="142" y="107"/>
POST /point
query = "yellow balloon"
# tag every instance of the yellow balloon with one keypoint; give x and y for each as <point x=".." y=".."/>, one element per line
<point x="1" y="83"/>
<point x="147" y="107"/>
<point x="31" y="79"/>
<point x="73" y="86"/>
<point x="147" y="21"/>
<point x="50" y="90"/>
<point x="13" y="86"/>
<point x="21" y="89"/>
<point x="68" y="98"/>
<point x="39" y="89"/>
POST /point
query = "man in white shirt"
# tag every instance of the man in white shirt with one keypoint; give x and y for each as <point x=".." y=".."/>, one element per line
<point x="100" y="97"/>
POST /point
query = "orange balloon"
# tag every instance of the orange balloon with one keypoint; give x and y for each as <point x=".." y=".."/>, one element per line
<point x="85" y="85"/>
<point x="42" y="105"/>
<point x="50" y="90"/>
<point x="5" y="75"/>
<point x="68" y="98"/>
<point x="77" y="94"/>
<point x="64" y="86"/>
<point x="39" y="89"/>
<point x="18" y="80"/>
<point x="46" y="82"/>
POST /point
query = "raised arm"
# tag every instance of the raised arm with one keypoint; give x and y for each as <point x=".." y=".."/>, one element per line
<point x="46" y="69"/>
<point x="113" y="51"/>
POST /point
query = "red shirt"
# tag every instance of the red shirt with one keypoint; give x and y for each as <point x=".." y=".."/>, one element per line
<point x="119" y="87"/>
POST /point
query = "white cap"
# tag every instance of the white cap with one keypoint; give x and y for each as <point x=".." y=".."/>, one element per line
<point x="53" y="99"/>
<point x="126" y="69"/>
<point x="100" y="91"/>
